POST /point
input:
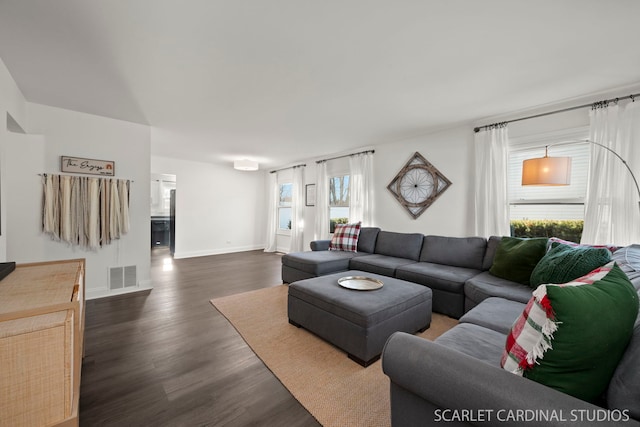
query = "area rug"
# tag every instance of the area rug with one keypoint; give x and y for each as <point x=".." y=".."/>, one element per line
<point x="333" y="388"/>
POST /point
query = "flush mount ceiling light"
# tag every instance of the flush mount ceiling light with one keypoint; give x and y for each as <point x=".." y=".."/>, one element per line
<point x="245" y="165"/>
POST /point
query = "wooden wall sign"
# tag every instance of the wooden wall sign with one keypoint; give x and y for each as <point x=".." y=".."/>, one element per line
<point x="87" y="166"/>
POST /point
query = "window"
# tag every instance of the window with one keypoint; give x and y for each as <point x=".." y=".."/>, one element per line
<point x="284" y="206"/>
<point x="338" y="201"/>
<point x="548" y="210"/>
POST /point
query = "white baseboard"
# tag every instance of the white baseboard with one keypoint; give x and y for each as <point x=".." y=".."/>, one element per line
<point x="143" y="286"/>
<point x="193" y="254"/>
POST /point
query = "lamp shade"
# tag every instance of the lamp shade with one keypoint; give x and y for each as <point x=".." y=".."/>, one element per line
<point x="245" y="165"/>
<point x="547" y="171"/>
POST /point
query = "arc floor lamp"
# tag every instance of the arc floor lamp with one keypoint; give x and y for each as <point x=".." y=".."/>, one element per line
<point x="557" y="170"/>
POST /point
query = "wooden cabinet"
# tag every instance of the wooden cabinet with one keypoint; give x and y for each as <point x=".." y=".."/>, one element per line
<point x="41" y="343"/>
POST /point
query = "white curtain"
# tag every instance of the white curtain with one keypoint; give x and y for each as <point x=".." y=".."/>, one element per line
<point x="491" y="201"/>
<point x="272" y="213"/>
<point x="361" y="188"/>
<point x="612" y="215"/>
<point x="322" y="202"/>
<point x="297" y="210"/>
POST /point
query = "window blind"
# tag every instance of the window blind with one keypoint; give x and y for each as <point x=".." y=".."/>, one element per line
<point x="576" y="191"/>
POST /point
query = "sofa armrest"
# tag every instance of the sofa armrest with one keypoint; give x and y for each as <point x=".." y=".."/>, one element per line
<point x="447" y="379"/>
<point x="320" y="245"/>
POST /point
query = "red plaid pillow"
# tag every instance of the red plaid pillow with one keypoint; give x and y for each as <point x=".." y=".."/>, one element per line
<point x="345" y="238"/>
<point x="532" y="333"/>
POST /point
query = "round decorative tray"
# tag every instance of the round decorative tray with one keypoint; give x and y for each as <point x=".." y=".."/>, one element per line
<point x="360" y="283"/>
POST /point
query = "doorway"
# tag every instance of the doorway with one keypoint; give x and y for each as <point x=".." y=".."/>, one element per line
<point x="163" y="193"/>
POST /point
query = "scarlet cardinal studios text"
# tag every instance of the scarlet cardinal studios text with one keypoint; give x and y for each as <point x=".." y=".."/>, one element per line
<point x="530" y="415"/>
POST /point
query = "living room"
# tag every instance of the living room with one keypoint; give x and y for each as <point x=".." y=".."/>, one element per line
<point x="387" y="92"/>
<point x="203" y="228"/>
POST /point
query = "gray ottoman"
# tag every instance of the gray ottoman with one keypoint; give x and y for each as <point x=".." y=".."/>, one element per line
<point x="359" y="322"/>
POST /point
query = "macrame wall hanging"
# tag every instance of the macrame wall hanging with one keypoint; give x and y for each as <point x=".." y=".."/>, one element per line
<point x="85" y="211"/>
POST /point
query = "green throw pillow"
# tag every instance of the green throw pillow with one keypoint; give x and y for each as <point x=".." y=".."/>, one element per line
<point x="594" y="325"/>
<point x="516" y="258"/>
<point x="564" y="263"/>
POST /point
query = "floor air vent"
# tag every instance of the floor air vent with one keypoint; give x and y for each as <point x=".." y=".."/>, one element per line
<point x="122" y="277"/>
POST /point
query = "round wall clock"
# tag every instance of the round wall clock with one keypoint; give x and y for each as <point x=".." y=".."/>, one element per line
<point x="417" y="185"/>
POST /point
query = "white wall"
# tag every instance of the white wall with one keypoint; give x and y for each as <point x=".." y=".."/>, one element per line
<point x="13" y="103"/>
<point x="451" y="214"/>
<point x="218" y="209"/>
<point x="450" y="151"/>
<point x="71" y="133"/>
<point x="23" y="196"/>
<point x="64" y="132"/>
<point x="543" y="125"/>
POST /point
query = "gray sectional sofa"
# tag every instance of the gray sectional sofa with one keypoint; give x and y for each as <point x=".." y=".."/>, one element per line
<point x="457" y="379"/>
<point x="455" y="268"/>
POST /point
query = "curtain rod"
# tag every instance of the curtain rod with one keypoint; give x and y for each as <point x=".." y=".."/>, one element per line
<point x="577" y="107"/>
<point x="86" y="176"/>
<point x="290" y="167"/>
<point x="346" y="155"/>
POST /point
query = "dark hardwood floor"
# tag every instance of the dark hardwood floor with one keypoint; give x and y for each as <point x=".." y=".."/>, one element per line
<point x="168" y="358"/>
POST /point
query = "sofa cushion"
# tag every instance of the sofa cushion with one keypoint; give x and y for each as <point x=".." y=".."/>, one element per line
<point x="319" y="263"/>
<point x="367" y="239"/>
<point x="516" y="258"/>
<point x="624" y="388"/>
<point x="628" y="259"/>
<point x="319" y="245"/>
<point x="379" y="264"/>
<point x="466" y="252"/>
<point x="552" y="240"/>
<point x="475" y="341"/>
<point x="572" y="336"/>
<point x="486" y="285"/>
<point x="497" y="314"/>
<point x="399" y="245"/>
<point x="436" y="276"/>
<point x="492" y="246"/>
<point x="345" y="237"/>
<point x="563" y="263"/>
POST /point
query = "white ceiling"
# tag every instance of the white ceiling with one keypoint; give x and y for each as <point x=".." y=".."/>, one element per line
<point x="283" y="80"/>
